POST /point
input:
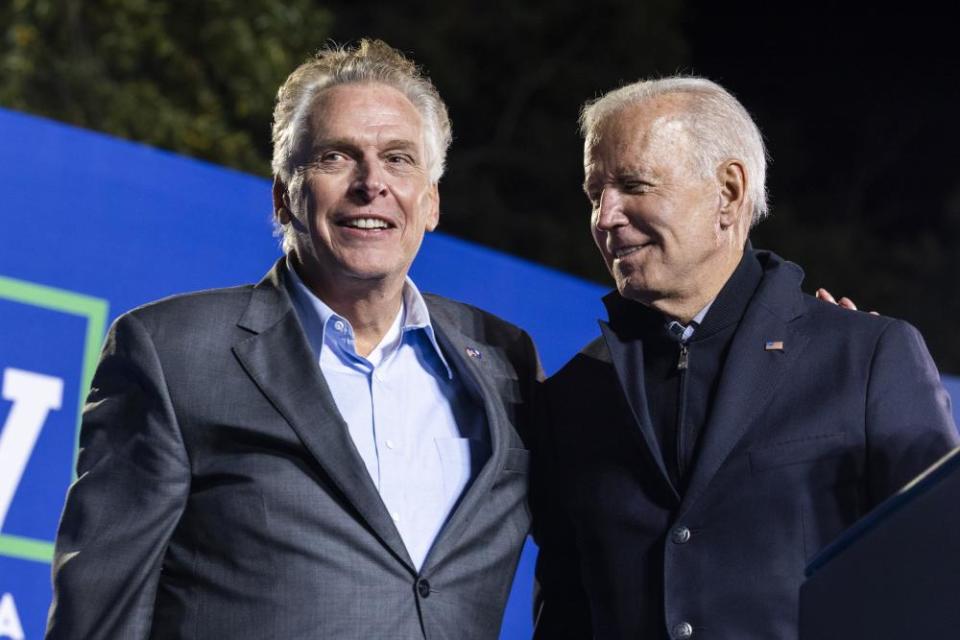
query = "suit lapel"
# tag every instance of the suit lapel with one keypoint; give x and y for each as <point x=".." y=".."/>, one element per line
<point x="627" y="358"/>
<point x="752" y="373"/>
<point x="475" y="373"/>
<point x="279" y="360"/>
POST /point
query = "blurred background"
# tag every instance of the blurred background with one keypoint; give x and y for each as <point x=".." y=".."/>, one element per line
<point x="858" y="107"/>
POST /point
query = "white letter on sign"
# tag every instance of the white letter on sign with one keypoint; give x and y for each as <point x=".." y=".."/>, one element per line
<point x="10" y="626"/>
<point x="33" y="395"/>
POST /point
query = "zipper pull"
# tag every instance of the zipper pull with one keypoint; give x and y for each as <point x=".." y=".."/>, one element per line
<point x="684" y="356"/>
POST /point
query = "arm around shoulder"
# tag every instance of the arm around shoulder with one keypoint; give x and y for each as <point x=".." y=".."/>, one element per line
<point x="909" y="420"/>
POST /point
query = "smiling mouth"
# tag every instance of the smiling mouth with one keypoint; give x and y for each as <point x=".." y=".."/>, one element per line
<point x="623" y="252"/>
<point x="365" y="223"/>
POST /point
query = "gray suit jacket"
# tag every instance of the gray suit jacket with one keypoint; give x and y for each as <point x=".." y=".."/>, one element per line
<point x="219" y="494"/>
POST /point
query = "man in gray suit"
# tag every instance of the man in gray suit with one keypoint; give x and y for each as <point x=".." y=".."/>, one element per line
<point x="327" y="453"/>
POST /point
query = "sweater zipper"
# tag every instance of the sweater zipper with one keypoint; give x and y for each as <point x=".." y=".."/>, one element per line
<point x="682" y="363"/>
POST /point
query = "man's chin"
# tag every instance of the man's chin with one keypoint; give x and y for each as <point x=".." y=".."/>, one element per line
<point x="632" y="288"/>
<point x="370" y="266"/>
<point x="373" y="273"/>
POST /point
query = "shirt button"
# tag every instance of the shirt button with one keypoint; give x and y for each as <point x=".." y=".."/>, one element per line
<point x="680" y="535"/>
<point x="389" y="444"/>
<point x="396" y="516"/>
<point x="423" y="588"/>
<point x="339" y="326"/>
<point x="682" y="631"/>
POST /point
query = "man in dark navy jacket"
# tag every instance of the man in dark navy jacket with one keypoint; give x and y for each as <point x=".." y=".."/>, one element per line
<point x="725" y="426"/>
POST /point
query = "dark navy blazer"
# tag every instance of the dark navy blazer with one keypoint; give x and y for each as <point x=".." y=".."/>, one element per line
<point x="802" y="440"/>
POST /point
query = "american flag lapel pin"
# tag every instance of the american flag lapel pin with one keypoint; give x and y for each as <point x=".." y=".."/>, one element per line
<point x="773" y="345"/>
<point x="474" y="353"/>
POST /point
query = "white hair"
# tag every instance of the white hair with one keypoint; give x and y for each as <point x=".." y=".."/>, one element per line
<point x="721" y="127"/>
<point x="370" y="61"/>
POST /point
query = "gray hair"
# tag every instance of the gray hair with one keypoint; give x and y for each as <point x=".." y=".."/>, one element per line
<point x="721" y="127"/>
<point x="371" y="61"/>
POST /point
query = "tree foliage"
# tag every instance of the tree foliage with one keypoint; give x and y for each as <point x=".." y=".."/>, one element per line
<point x="194" y="77"/>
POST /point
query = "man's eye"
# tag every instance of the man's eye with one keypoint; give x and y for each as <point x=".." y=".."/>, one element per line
<point x="633" y="186"/>
<point x="331" y="156"/>
<point x="400" y="158"/>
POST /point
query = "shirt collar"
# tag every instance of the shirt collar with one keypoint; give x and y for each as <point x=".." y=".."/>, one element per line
<point x="683" y="332"/>
<point x="316" y="316"/>
<point x="418" y="317"/>
<point x="632" y="318"/>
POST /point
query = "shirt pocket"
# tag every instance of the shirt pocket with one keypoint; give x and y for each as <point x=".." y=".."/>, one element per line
<point x="799" y="451"/>
<point x="460" y="458"/>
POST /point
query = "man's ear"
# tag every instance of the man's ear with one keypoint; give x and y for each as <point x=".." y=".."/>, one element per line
<point x="733" y="188"/>
<point x="433" y="215"/>
<point x="281" y="201"/>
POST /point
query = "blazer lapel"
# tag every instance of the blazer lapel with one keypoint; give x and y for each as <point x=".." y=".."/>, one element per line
<point x="627" y="359"/>
<point x="279" y="360"/>
<point x="752" y="372"/>
<point x="476" y="374"/>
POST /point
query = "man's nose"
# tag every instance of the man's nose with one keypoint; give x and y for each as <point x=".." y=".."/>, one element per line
<point x="369" y="181"/>
<point x="610" y="209"/>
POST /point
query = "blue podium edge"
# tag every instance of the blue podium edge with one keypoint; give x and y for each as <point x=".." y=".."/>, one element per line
<point x="914" y="489"/>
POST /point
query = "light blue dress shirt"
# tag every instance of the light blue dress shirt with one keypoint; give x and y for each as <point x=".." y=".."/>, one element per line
<point x="421" y="435"/>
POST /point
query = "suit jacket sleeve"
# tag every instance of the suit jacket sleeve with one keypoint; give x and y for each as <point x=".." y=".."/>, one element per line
<point x="133" y="477"/>
<point x="530" y="372"/>
<point x="561" y="607"/>
<point x="909" y="420"/>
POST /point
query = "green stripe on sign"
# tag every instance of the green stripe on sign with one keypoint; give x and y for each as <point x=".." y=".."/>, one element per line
<point x="93" y="309"/>
<point x="26" y="548"/>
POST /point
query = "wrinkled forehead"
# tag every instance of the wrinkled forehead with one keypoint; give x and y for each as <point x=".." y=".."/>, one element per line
<point x="649" y="131"/>
<point x="387" y="104"/>
<point x="359" y="110"/>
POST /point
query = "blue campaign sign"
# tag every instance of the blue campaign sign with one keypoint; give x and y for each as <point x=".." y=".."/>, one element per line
<point x="24" y="598"/>
<point x="91" y="227"/>
<point x="45" y="368"/>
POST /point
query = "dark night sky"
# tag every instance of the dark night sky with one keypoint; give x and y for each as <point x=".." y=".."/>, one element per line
<point x="840" y="87"/>
<point x="859" y="110"/>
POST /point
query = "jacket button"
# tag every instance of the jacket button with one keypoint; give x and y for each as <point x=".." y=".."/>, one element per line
<point x="423" y="588"/>
<point x="680" y="535"/>
<point x="682" y="631"/>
